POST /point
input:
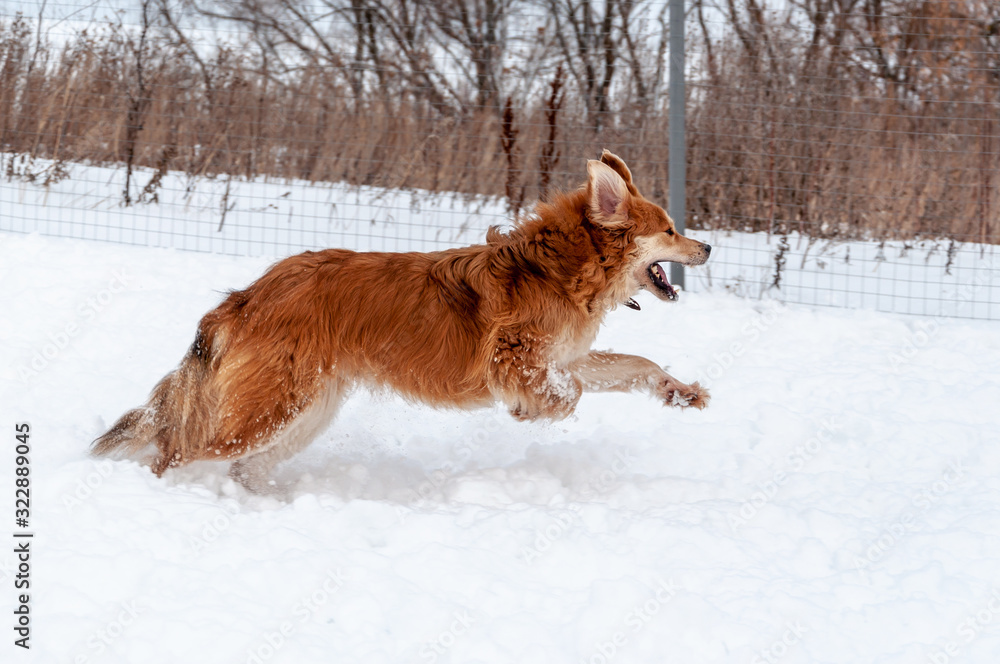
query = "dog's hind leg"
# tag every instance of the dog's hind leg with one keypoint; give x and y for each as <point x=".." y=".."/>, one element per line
<point x="254" y="469"/>
<point x="614" y="372"/>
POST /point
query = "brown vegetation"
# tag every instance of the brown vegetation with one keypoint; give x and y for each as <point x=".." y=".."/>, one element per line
<point x="872" y="118"/>
<point x="838" y="118"/>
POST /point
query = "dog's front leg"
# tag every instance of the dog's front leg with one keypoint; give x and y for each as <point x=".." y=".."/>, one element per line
<point x="614" y="372"/>
<point x="531" y="386"/>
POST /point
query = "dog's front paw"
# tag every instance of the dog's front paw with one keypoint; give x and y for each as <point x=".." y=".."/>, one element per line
<point x="521" y="413"/>
<point x="684" y="396"/>
<point x="532" y="411"/>
<point x="548" y="407"/>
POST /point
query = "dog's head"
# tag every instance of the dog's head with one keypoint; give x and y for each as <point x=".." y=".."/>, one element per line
<point x="616" y="206"/>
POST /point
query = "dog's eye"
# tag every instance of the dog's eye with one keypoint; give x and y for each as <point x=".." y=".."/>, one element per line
<point x="670" y="231"/>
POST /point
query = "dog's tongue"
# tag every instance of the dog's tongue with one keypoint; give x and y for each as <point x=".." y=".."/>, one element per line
<point x="661" y="275"/>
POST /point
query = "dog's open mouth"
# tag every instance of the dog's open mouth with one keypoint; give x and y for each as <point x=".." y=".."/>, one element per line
<point x="659" y="278"/>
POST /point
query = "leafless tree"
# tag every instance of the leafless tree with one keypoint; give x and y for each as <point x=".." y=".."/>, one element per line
<point x="586" y="35"/>
<point x="478" y="29"/>
<point x="144" y="64"/>
<point x="644" y="50"/>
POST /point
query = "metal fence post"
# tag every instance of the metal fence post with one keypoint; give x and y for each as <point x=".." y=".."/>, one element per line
<point x="678" y="156"/>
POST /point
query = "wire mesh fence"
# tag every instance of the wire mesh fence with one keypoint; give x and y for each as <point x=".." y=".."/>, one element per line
<point x="839" y="152"/>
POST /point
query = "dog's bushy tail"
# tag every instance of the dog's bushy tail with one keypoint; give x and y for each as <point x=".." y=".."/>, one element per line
<point x="176" y="419"/>
<point x="131" y="434"/>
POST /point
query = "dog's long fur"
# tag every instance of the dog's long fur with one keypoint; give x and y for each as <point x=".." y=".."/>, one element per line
<point x="512" y="320"/>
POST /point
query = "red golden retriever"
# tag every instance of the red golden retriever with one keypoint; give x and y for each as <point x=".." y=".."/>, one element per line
<point x="511" y="320"/>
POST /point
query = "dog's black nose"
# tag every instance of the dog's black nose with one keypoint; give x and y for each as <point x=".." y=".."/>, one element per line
<point x="708" y="248"/>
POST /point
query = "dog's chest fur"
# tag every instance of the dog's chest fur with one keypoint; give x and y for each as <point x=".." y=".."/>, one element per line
<point x="574" y="342"/>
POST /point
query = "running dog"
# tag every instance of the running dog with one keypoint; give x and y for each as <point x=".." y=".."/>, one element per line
<point x="509" y="321"/>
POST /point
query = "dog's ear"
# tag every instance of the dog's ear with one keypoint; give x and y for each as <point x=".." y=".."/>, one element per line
<point x="608" y="194"/>
<point x="616" y="163"/>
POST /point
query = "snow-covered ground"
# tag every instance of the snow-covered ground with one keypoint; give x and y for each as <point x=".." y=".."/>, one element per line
<point x="839" y="500"/>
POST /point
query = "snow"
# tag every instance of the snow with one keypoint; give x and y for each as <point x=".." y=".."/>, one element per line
<point x="836" y="501"/>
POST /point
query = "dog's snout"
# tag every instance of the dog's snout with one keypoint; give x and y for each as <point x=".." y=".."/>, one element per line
<point x="707" y="248"/>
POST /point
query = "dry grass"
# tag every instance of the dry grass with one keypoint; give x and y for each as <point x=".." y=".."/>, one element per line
<point x="809" y="157"/>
